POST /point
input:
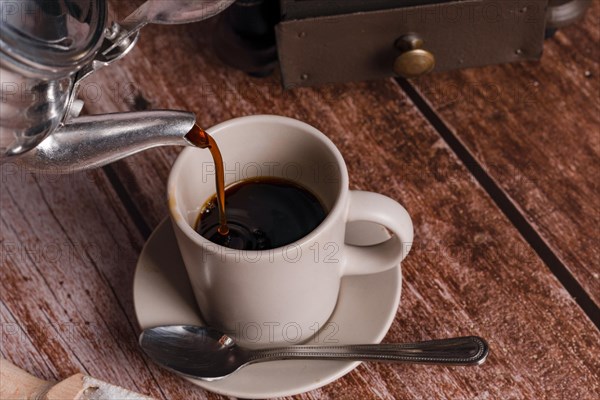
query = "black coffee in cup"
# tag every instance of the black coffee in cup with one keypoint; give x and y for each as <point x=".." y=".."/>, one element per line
<point x="262" y="213"/>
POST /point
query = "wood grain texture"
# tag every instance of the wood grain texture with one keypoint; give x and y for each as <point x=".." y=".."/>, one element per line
<point x="469" y="271"/>
<point x="68" y="252"/>
<point x="535" y="127"/>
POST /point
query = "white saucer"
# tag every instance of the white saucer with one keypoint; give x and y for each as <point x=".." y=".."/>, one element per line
<point x="365" y="311"/>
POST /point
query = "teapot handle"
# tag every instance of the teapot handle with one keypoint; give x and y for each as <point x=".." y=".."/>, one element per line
<point x="175" y="11"/>
<point x="165" y="12"/>
<point x="114" y="47"/>
<point x="121" y="37"/>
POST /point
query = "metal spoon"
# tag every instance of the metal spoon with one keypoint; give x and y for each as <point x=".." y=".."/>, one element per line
<point x="207" y="354"/>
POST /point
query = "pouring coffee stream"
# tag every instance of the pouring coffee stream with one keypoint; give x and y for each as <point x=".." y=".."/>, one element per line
<point x="200" y="138"/>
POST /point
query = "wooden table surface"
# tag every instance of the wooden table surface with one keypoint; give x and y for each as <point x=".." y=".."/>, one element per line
<point x="496" y="166"/>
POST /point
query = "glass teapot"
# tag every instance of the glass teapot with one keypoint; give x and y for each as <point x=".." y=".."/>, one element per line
<point x="46" y="48"/>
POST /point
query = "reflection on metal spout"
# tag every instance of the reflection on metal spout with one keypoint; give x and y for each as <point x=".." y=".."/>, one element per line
<point x="96" y="140"/>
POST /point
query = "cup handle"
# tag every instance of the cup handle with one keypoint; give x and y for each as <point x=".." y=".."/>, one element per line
<point x="374" y="207"/>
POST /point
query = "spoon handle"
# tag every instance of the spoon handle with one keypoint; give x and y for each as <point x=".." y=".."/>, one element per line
<point x="469" y="350"/>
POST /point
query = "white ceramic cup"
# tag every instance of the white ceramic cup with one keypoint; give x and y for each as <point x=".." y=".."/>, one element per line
<point x="282" y="295"/>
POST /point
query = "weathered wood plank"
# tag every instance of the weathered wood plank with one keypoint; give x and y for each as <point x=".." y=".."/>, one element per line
<point x="469" y="272"/>
<point x="67" y="256"/>
<point x="535" y="127"/>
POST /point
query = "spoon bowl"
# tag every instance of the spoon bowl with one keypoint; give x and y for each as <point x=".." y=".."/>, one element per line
<point x="193" y="351"/>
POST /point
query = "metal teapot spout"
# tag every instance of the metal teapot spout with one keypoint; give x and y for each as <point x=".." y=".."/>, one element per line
<point x="96" y="140"/>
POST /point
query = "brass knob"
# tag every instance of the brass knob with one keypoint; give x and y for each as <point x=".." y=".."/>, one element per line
<point x="414" y="61"/>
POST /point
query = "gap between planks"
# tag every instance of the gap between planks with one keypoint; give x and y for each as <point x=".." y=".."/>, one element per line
<point x="505" y="204"/>
<point x="128" y="203"/>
